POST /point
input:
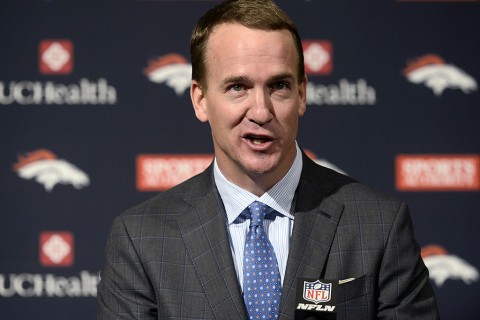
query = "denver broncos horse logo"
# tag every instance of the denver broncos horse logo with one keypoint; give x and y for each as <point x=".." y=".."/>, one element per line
<point x="443" y="266"/>
<point x="44" y="166"/>
<point x="432" y="71"/>
<point x="173" y="69"/>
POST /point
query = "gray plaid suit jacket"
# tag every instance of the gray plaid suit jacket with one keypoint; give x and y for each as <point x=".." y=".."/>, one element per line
<point x="170" y="257"/>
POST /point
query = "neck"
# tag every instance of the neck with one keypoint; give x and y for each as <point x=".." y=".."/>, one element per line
<point x="256" y="183"/>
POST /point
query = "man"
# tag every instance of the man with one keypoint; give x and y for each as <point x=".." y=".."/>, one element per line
<point x="181" y="254"/>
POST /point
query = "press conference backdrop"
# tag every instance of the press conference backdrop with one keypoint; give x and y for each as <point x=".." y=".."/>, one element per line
<point x="95" y="116"/>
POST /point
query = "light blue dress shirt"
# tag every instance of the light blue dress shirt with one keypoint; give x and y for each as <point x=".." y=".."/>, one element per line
<point x="280" y="197"/>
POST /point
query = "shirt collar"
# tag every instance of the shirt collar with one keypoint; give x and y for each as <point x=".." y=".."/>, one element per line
<point x="279" y="197"/>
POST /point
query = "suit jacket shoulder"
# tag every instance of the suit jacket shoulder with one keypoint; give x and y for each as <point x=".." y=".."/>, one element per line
<point x="345" y="230"/>
<point x="194" y="188"/>
<point x="170" y="257"/>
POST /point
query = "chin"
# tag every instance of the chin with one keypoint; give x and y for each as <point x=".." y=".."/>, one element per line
<point x="261" y="166"/>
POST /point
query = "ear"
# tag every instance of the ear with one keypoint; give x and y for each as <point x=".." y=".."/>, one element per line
<point x="302" y="92"/>
<point x="197" y="95"/>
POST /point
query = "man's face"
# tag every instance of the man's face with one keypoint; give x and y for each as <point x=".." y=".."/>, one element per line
<point x="253" y="102"/>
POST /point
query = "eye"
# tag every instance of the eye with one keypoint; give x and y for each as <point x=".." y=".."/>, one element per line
<point x="236" y="87"/>
<point x="282" y="85"/>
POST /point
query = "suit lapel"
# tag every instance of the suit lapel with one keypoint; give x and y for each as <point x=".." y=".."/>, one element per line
<point x="312" y="237"/>
<point x="315" y="225"/>
<point x="204" y="232"/>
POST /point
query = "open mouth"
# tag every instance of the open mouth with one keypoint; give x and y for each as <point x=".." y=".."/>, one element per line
<point x="257" y="140"/>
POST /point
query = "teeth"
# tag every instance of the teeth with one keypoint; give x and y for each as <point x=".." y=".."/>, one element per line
<point x="257" y="140"/>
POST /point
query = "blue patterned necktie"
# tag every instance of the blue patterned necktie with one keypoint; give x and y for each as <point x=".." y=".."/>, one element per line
<point x="261" y="278"/>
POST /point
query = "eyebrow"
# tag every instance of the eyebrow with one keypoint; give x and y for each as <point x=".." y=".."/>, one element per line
<point x="282" y="76"/>
<point x="242" y="79"/>
<point x="235" y="79"/>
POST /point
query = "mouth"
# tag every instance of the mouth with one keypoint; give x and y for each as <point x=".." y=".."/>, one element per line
<point x="258" y="142"/>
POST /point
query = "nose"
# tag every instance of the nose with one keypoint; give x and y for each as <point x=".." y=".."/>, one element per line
<point x="261" y="110"/>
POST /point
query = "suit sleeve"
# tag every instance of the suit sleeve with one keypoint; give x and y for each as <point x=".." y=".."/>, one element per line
<point x="124" y="291"/>
<point x="404" y="287"/>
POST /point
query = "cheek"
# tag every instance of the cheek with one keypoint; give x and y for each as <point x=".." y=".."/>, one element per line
<point x="226" y="118"/>
<point x="220" y="122"/>
<point x="289" y="119"/>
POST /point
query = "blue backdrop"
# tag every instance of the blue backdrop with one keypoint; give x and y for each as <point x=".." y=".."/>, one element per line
<point x="94" y="118"/>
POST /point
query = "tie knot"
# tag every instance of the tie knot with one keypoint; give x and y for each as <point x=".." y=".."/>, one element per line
<point x="257" y="211"/>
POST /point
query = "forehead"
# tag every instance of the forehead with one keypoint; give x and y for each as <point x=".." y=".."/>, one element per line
<point x="234" y="43"/>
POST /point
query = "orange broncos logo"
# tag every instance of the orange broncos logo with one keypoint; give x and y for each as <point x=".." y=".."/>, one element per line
<point x="443" y="266"/>
<point x="45" y="168"/>
<point x="171" y="69"/>
<point x="432" y="71"/>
